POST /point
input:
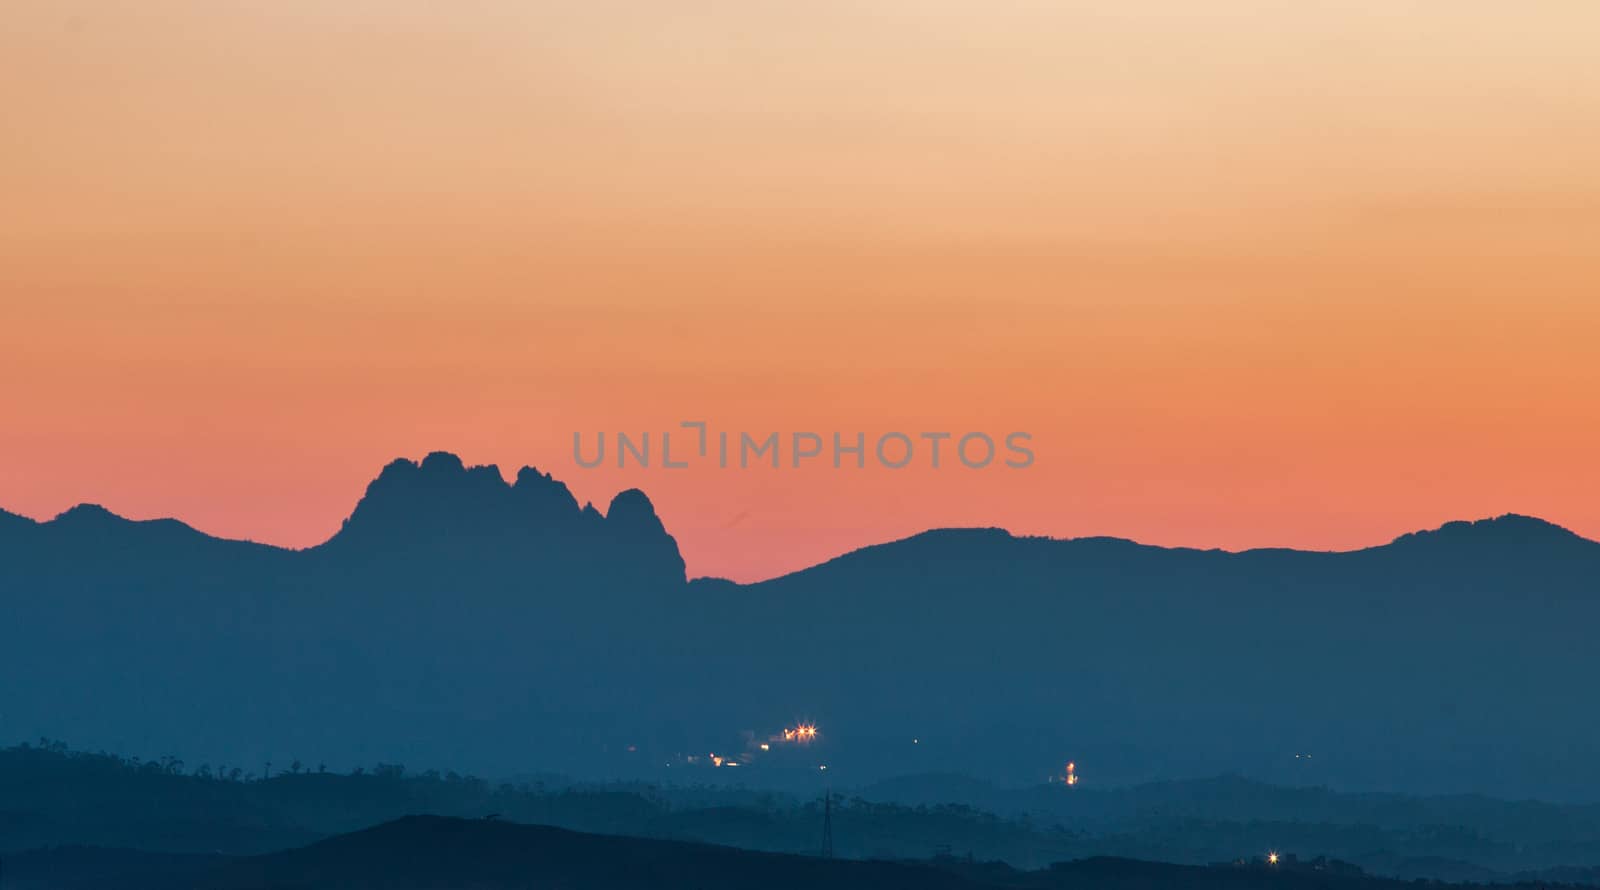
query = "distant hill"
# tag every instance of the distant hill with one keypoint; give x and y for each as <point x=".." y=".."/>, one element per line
<point x="431" y="852"/>
<point x="460" y="620"/>
<point x="52" y="798"/>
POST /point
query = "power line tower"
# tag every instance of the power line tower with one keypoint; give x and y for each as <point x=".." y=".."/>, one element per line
<point x="827" y="824"/>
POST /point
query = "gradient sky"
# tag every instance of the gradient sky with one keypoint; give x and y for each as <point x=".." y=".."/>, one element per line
<point x="1251" y="273"/>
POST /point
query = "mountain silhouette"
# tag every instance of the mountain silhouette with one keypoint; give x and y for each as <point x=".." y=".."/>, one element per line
<point x="438" y="513"/>
<point x="457" y="619"/>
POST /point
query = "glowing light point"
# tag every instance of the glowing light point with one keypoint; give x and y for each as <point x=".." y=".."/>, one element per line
<point x="1272" y="858"/>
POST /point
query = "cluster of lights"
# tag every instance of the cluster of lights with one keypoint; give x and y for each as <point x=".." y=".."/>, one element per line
<point x="805" y="732"/>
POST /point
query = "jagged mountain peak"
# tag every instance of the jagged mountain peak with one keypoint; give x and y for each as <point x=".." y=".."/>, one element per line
<point x="632" y="522"/>
<point x="545" y="490"/>
<point x="440" y="504"/>
<point x="632" y="508"/>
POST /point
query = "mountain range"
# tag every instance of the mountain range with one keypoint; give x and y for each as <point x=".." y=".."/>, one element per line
<point x="460" y="620"/>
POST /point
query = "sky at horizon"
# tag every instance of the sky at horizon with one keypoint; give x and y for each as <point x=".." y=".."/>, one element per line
<point x="1251" y="274"/>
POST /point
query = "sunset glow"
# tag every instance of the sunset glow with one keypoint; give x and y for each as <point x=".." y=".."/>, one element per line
<point x="1264" y="274"/>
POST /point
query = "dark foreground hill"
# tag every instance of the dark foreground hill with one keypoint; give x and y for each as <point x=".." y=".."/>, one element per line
<point x="432" y="853"/>
<point x="464" y="621"/>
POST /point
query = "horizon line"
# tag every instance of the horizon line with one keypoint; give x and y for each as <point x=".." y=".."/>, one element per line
<point x="94" y="506"/>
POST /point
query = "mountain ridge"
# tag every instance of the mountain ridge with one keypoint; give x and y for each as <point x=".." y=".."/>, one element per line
<point x="462" y="618"/>
<point x="442" y="485"/>
<point x="1519" y="525"/>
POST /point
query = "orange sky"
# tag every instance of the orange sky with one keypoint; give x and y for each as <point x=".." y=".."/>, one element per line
<point x="1251" y="273"/>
